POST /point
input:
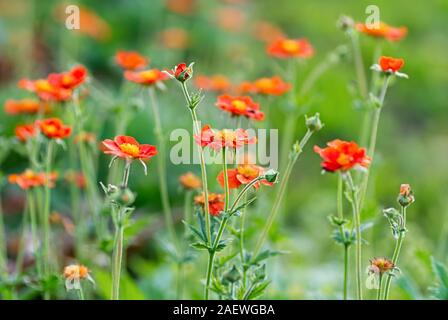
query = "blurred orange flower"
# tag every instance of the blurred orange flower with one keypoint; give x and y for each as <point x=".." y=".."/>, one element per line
<point x="70" y="79"/>
<point x="190" y="181"/>
<point x="77" y="178"/>
<point x="267" y="32"/>
<point x="240" y="106"/>
<point x="389" y="64"/>
<point x="146" y="77"/>
<point x="128" y="148"/>
<point x="289" y="48"/>
<point x="183" y="7"/>
<point x="215" y="202"/>
<point x="174" y="38"/>
<point x="53" y="128"/>
<point x="26" y="106"/>
<point x="45" y="90"/>
<point x="87" y="137"/>
<point x="30" y="179"/>
<point x="230" y="19"/>
<point x="130" y="60"/>
<point x="342" y="155"/>
<point x="217" y="83"/>
<point x="268" y="86"/>
<point x="73" y="274"/>
<point x="25" y="131"/>
<point x="383" y="31"/>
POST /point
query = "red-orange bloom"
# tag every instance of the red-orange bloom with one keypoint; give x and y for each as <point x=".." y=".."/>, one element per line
<point x="240" y="106"/>
<point x="215" y="202"/>
<point x="243" y="174"/>
<point x="70" y="79"/>
<point x="288" y="48"/>
<point x="267" y="32"/>
<point x="268" y="86"/>
<point x="30" y="179"/>
<point x="389" y="64"/>
<point x="53" y="128"/>
<point x="127" y="147"/>
<point x="77" y="178"/>
<point x="184" y="7"/>
<point x="45" y="90"/>
<point x="217" y="83"/>
<point x="174" y="38"/>
<point x="218" y="140"/>
<point x="25" y="131"/>
<point x="342" y="155"/>
<point x="383" y="31"/>
<point x="146" y="77"/>
<point x="26" y="106"/>
<point x="190" y="181"/>
<point x="130" y="60"/>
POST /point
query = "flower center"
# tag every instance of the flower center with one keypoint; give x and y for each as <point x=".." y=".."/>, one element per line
<point x="239" y="105"/>
<point x="264" y="84"/>
<point x="130" y="149"/>
<point x="248" y="171"/>
<point x="290" y="46"/>
<point x="149" y="75"/>
<point x="50" y="129"/>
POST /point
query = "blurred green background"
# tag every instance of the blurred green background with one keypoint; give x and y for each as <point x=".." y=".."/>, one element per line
<point x="412" y="143"/>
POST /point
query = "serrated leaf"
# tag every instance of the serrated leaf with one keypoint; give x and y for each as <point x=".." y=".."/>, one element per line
<point x="257" y="291"/>
<point x="200" y="246"/>
<point x="196" y="232"/>
<point x="266" y="254"/>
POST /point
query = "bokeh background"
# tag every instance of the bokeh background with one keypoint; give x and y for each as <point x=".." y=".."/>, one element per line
<point x="224" y="37"/>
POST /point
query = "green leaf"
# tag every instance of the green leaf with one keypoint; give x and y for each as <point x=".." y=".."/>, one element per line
<point x="200" y="246"/>
<point x="266" y="254"/>
<point x="222" y="244"/>
<point x="196" y="232"/>
<point x="257" y="291"/>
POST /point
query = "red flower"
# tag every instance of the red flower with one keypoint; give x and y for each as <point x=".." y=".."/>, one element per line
<point x="69" y="80"/>
<point x="268" y="86"/>
<point x="218" y="140"/>
<point x="288" y="48"/>
<point x="342" y="155"/>
<point x="127" y="147"/>
<point x="53" y="128"/>
<point x="243" y="174"/>
<point x="240" y="106"/>
<point x="215" y="202"/>
<point x="25" y="131"/>
<point x="26" y="106"/>
<point x="217" y="83"/>
<point x="181" y="72"/>
<point x="130" y="60"/>
<point x="45" y="90"/>
<point x="383" y="31"/>
<point x="146" y="77"/>
<point x="389" y="64"/>
<point x="30" y="179"/>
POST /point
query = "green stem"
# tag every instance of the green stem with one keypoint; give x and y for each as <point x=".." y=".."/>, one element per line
<point x="34" y="235"/>
<point x="242" y="251"/>
<point x="281" y="192"/>
<point x="380" y="284"/>
<point x="359" y="66"/>
<point x="346" y="247"/>
<point x="397" y="250"/>
<point x="3" y="255"/>
<point x="46" y="213"/>
<point x="340" y="208"/>
<point x="357" y="220"/>
<point x="80" y="293"/>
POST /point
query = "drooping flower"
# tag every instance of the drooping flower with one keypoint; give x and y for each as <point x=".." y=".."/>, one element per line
<point x="215" y="202"/>
<point x="216" y="83"/>
<point x="25" y="131"/>
<point x="226" y="138"/>
<point x="146" y="77"/>
<point x="290" y="48"/>
<point x="45" y="90"/>
<point x="382" y="31"/>
<point x="243" y="174"/>
<point x="190" y="181"/>
<point x="26" y="106"/>
<point x="30" y="179"/>
<point x="73" y="274"/>
<point x="126" y="147"/>
<point x="130" y="60"/>
<point x="267" y="86"/>
<point x="378" y="267"/>
<point x="240" y="106"/>
<point x="53" y="128"/>
<point x="69" y="80"/>
<point x="342" y="155"/>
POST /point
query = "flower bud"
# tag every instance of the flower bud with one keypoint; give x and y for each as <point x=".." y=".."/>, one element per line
<point x="406" y="196"/>
<point x="124" y="197"/>
<point x="232" y="276"/>
<point x="271" y="176"/>
<point x="345" y="23"/>
<point x="182" y="73"/>
<point x="313" y="123"/>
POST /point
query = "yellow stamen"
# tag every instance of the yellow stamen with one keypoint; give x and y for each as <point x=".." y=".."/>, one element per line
<point x="130" y="149"/>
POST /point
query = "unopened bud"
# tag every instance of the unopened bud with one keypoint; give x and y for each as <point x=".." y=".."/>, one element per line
<point x="313" y="123"/>
<point x="271" y="176"/>
<point x="406" y="196"/>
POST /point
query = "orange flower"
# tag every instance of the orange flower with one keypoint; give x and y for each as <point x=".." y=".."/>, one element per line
<point x="130" y="60"/>
<point x="87" y="137"/>
<point x="27" y="106"/>
<point x="25" y="131"/>
<point x="215" y="202"/>
<point x="288" y="48"/>
<point x="127" y="147"/>
<point x="342" y="155"/>
<point x="147" y="77"/>
<point x="184" y="7"/>
<point x="243" y="174"/>
<point x="230" y="19"/>
<point x="267" y="32"/>
<point x="406" y="196"/>
<point x="383" y="31"/>
<point x="389" y="64"/>
<point x="53" y="128"/>
<point x="57" y="218"/>
<point x="68" y="80"/>
<point x="217" y="83"/>
<point x="268" y="86"/>
<point x="30" y="179"/>
<point x="45" y="90"/>
<point x="190" y="181"/>
<point x="226" y="138"/>
<point x="77" y="178"/>
<point x="381" y="265"/>
<point x="73" y="274"/>
<point x="240" y="106"/>
<point x="174" y="38"/>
